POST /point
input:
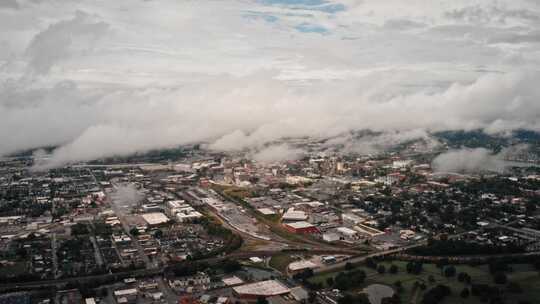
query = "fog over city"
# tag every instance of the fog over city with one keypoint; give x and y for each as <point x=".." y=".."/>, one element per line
<point x="106" y="78"/>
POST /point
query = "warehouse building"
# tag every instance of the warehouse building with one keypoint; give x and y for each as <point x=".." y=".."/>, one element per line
<point x="301" y="228"/>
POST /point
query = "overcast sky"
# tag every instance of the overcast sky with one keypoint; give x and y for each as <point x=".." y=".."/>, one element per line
<point x="100" y="78"/>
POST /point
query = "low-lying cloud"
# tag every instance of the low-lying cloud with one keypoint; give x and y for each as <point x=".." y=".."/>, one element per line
<point x="126" y="196"/>
<point x="277" y="153"/>
<point x="469" y="161"/>
<point x="376" y="143"/>
<point x="124" y="77"/>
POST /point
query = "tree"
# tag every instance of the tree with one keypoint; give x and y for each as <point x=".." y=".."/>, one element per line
<point x="348" y="280"/>
<point x="262" y="300"/>
<point x="349" y="266"/>
<point x="358" y="277"/>
<point x="500" y="278"/>
<point x="465" y="293"/>
<point x="414" y="267"/>
<point x="354" y="299"/>
<point x="514" y="287"/>
<point x="497" y="266"/>
<point x="134" y="231"/>
<point x="441" y="263"/>
<point x="431" y="279"/>
<point x="399" y="286"/>
<point x="394" y="299"/>
<point x="312" y="296"/>
<point x="231" y="266"/>
<point x="381" y="269"/>
<point x="79" y="229"/>
<point x="393" y="269"/>
<point x="449" y="271"/>
<point x="464" y="278"/>
<point x="436" y="294"/>
<point x="158" y="234"/>
<point x="305" y="274"/>
<point x="330" y="281"/>
<point x="536" y="264"/>
<point x="21" y="253"/>
<point x="530" y="207"/>
<point x="371" y="263"/>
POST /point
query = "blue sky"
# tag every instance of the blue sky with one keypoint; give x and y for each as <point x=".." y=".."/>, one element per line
<point x="303" y="8"/>
<point x="311" y="28"/>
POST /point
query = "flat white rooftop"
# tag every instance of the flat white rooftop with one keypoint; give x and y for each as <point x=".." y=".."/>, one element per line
<point x="266" y="211"/>
<point x="234" y="280"/>
<point x="300" y="225"/>
<point x="301" y="265"/>
<point x="294" y="215"/>
<point x="155" y="218"/>
<point x="125" y="292"/>
<point x="264" y="288"/>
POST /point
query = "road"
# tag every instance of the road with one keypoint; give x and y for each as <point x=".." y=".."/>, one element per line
<point x="216" y="260"/>
<point x="143" y="272"/>
<point x="304" y="241"/>
<point x="97" y="253"/>
<point x="328" y="268"/>
<point x="168" y="294"/>
<point x="54" y="256"/>
<point x="248" y="238"/>
<point x="84" y="279"/>
<point x="354" y="260"/>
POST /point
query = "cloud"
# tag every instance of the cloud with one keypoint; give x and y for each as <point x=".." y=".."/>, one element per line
<point x="468" y="161"/>
<point x="54" y="43"/>
<point x="124" y="77"/>
<point x="490" y="13"/>
<point x="102" y="123"/>
<point x="235" y="141"/>
<point x="476" y="160"/>
<point x="277" y="153"/>
<point x="402" y="24"/>
<point x="9" y="4"/>
<point x="126" y="196"/>
<point x="366" y="144"/>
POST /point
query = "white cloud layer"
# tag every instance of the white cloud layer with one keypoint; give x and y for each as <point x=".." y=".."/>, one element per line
<point x="468" y="160"/>
<point x="103" y="78"/>
<point x="475" y="160"/>
<point x="277" y="153"/>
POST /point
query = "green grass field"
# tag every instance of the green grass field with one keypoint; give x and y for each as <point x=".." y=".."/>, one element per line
<point x="523" y="274"/>
<point x="280" y="262"/>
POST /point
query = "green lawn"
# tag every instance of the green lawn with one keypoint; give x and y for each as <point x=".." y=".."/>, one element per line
<point x="531" y="287"/>
<point x="523" y="274"/>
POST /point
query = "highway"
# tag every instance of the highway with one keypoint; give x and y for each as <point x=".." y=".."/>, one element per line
<point x="215" y="260"/>
<point x="359" y="259"/>
<point x="83" y="279"/>
<point x="143" y="272"/>
<point x="54" y="255"/>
